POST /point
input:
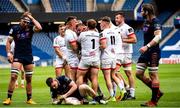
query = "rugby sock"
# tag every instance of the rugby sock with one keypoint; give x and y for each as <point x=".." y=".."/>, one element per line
<point x="132" y="90"/>
<point x="114" y="88"/>
<point x="99" y="91"/>
<point x="29" y="96"/>
<point x="155" y="90"/>
<point x="148" y="82"/>
<point x="16" y="82"/>
<point x="121" y="87"/>
<point x="111" y="92"/>
<point x="9" y="94"/>
<point x="22" y="81"/>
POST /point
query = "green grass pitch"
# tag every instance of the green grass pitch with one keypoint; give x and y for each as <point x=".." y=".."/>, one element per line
<point x="169" y="82"/>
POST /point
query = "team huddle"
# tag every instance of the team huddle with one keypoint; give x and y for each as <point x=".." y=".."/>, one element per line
<point x="82" y="51"/>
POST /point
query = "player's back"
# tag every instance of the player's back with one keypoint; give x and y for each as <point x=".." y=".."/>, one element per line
<point x="110" y="36"/>
<point x="89" y="41"/>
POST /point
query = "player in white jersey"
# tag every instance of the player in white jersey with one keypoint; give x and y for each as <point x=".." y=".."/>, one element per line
<point x="61" y="51"/>
<point x="72" y="46"/>
<point x="22" y="69"/>
<point x="125" y="58"/>
<point x="108" y="40"/>
<point x="90" y="54"/>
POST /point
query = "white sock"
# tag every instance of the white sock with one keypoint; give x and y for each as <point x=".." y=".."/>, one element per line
<point x="122" y="83"/>
<point x="111" y="92"/>
<point x="16" y="82"/>
<point x="22" y="81"/>
<point x="132" y="92"/>
<point x="121" y="87"/>
<point x="114" y="87"/>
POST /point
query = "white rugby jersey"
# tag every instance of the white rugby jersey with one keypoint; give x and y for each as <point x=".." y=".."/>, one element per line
<point x="89" y="41"/>
<point x="118" y="41"/>
<point x="59" y="42"/>
<point x="126" y="31"/>
<point x="70" y="36"/>
<point x="110" y="35"/>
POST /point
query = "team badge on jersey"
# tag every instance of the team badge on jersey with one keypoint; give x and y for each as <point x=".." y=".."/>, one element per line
<point x="130" y="30"/>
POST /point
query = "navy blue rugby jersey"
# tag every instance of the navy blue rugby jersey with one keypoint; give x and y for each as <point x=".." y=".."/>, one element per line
<point x="63" y="86"/>
<point x="22" y="38"/>
<point x="148" y="29"/>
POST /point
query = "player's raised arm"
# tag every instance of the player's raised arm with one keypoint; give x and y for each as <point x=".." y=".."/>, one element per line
<point x="37" y="25"/>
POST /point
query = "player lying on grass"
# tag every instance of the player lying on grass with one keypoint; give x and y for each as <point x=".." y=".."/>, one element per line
<point x="65" y="90"/>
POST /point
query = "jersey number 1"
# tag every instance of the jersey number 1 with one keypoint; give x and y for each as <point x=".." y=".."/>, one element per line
<point x="93" y="43"/>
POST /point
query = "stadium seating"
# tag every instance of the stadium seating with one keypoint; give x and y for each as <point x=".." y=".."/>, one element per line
<point x="43" y="42"/>
<point x="58" y="5"/>
<point x="7" y="6"/>
<point x="163" y="16"/>
<point x="172" y="46"/>
<point x="39" y="53"/>
<point x="52" y="35"/>
<point x="130" y="4"/>
<point x="166" y="31"/>
<point x="3" y="50"/>
<point x="78" y="5"/>
<point x="104" y="1"/>
<point x="62" y="5"/>
<point x="136" y="53"/>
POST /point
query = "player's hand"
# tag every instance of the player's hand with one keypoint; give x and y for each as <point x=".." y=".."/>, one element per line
<point x="55" y="102"/>
<point x="10" y="57"/>
<point x="143" y="49"/>
<point x="61" y="97"/>
<point x="28" y="14"/>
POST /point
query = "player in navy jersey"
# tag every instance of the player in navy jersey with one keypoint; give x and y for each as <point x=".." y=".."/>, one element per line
<point x="150" y="54"/>
<point x="62" y="88"/>
<point x="22" y="35"/>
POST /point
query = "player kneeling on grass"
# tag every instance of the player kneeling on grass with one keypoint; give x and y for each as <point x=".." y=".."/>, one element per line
<point x="65" y="90"/>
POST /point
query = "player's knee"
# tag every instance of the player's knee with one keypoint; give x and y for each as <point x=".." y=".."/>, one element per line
<point x="139" y="75"/>
<point x="13" y="77"/>
<point x="82" y="86"/>
<point x="129" y="74"/>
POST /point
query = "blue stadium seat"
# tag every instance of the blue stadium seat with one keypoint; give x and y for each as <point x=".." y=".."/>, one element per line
<point x="136" y="53"/>
<point x="3" y="50"/>
<point x="172" y="46"/>
<point x="163" y="16"/>
<point x="166" y="31"/>
<point x="130" y="4"/>
<point x="39" y="53"/>
<point x="58" y="5"/>
<point x="52" y="35"/>
<point x="44" y="43"/>
<point x="104" y="1"/>
<point x="78" y="5"/>
<point x="62" y="5"/>
<point x="7" y="6"/>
